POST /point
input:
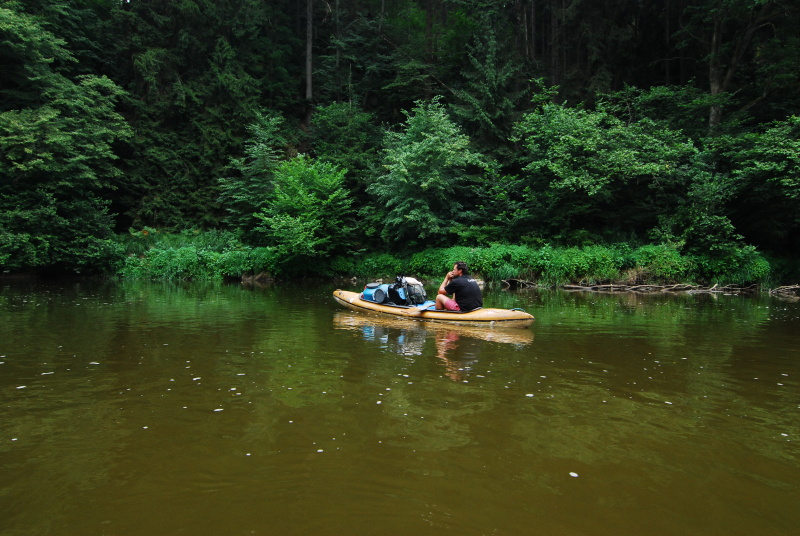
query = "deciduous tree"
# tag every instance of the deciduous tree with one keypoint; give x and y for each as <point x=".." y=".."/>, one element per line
<point x="427" y="192"/>
<point x="307" y="215"/>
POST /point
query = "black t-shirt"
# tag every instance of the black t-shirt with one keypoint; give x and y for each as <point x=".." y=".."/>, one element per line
<point x="467" y="292"/>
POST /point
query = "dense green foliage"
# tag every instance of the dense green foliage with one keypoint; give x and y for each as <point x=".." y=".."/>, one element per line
<point x="250" y="186"/>
<point x="57" y="163"/>
<point x="308" y="214"/>
<point x="204" y="255"/>
<point x="426" y="190"/>
<point x="191" y="255"/>
<point x="591" y="171"/>
<point x="557" y="266"/>
<point x="577" y="130"/>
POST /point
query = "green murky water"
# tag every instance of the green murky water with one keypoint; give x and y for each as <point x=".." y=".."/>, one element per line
<point x="167" y="409"/>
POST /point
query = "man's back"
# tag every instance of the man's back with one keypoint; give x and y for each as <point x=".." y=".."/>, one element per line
<point x="467" y="292"/>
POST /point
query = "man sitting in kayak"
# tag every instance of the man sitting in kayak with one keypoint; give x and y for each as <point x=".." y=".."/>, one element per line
<point x="465" y="290"/>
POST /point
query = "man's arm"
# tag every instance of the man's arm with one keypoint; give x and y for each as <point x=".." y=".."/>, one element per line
<point x="446" y="282"/>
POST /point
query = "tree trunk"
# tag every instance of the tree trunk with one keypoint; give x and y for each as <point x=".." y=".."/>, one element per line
<point x="430" y="52"/>
<point x="720" y="75"/>
<point x="667" y="35"/>
<point x="309" y="63"/>
<point x="309" y="40"/>
<point x="429" y="9"/>
<point x="715" y="72"/>
<point x="554" y="45"/>
<point x="533" y="30"/>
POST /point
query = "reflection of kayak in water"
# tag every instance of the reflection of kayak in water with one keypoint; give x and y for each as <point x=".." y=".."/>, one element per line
<point x="348" y="320"/>
<point x="515" y="318"/>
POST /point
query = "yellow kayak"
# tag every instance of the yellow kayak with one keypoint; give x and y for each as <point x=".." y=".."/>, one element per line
<point x="350" y="320"/>
<point x="516" y="318"/>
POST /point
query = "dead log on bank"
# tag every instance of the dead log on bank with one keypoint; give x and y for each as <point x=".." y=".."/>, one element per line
<point x="679" y="288"/>
<point x="788" y="291"/>
<point x="514" y="284"/>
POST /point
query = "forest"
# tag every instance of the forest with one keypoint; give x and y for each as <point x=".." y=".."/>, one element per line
<point x="183" y="138"/>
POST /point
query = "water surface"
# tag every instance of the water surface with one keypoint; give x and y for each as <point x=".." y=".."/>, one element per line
<point x="209" y="409"/>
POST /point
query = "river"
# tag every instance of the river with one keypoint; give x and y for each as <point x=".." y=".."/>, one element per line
<point x="133" y="408"/>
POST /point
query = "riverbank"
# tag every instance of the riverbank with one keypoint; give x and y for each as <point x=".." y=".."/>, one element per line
<point x="616" y="267"/>
<point x="619" y="265"/>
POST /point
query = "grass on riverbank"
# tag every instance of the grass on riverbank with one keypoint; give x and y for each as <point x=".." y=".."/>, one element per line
<point x="217" y="255"/>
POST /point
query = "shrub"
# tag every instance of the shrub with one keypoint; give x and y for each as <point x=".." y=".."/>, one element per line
<point x="308" y="215"/>
<point x="740" y="266"/>
<point x="139" y="241"/>
<point x="434" y="263"/>
<point x="191" y="262"/>
<point x="371" y="266"/>
<point x="242" y="260"/>
<point x="661" y="263"/>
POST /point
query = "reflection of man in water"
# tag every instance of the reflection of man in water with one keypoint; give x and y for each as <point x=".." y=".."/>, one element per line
<point x="447" y="341"/>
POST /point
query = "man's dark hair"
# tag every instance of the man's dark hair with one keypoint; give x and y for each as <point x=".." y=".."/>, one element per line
<point x="461" y="265"/>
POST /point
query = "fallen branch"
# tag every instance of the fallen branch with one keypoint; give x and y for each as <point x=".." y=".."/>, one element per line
<point x="791" y="291"/>
<point x="518" y="283"/>
<point x="678" y="288"/>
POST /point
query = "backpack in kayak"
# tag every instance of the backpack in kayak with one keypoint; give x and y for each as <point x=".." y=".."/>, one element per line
<point x="415" y="292"/>
<point x="405" y="291"/>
